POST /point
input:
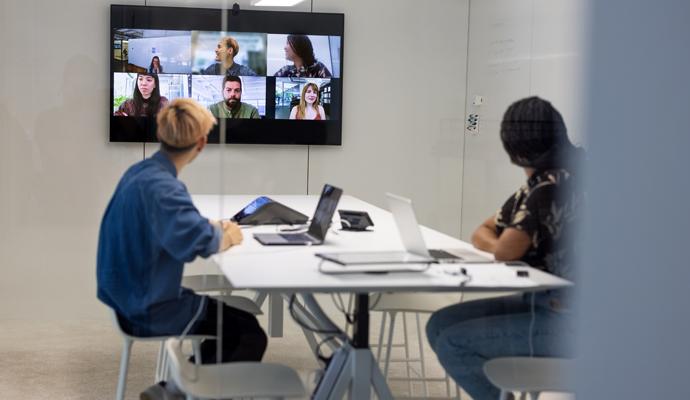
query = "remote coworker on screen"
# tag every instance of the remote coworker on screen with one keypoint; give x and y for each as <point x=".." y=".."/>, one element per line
<point x="309" y="107"/>
<point x="146" y="100"/>
<point x="151" y="229"/>
<point x="225" y="64"/>
<point x="300" y="52"/>
<point x="232" y="106"/>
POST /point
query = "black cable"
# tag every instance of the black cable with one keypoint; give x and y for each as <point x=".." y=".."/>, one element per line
<point x="318" y="349"/>
<point x="302" y="324"/>
<point x="349" y="318"/>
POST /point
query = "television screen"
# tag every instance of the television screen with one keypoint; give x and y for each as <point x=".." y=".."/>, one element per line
<point x="269" y="77"/>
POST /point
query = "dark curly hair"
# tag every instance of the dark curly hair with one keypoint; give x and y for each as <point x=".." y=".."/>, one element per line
<point x="534" y="135"/>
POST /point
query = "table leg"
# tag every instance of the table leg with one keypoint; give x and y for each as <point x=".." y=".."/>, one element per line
<point x="275" y="315"/>
<point x="353" y="366"/>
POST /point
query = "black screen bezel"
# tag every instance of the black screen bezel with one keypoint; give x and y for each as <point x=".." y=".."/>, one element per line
<point x="264" y="131"/>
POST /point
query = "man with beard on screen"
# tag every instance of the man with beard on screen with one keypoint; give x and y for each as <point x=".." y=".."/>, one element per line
<point x="232" y="106"/>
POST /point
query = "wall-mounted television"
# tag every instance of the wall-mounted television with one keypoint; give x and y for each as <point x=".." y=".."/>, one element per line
<point x="269" y="77"/>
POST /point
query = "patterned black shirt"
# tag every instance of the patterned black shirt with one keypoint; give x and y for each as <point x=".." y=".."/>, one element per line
<point x="546" y="208"/>
<point x="316" y="70"/>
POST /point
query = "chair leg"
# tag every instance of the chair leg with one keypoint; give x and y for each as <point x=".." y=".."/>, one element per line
<point x="389" y="345"/>
<point x="124" y="366"/>
<point x="504" y="395"/>
<point x="196" y="350"/>
<point x="382" y="332"/>
<point x="407" y="354"/>
<point x="421" y="355"/>
<point x="447" y="384"/>
<point x="160" y="361"/>
<point x="534" y="395"/>
<point x="523" y="396"/>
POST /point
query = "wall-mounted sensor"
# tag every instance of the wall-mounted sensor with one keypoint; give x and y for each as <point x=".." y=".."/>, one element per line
<point x="472" y="123"/>
<point x="478" y="100"/>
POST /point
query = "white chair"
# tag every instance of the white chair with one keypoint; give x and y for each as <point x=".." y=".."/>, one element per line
<point x="232" y="380"/>
<point x="207" y="283"/>
<point x="530" y="375"/>
<point x="219" y="283"/>
<point x="392" y="304"/>
<point x="161" y="361"/>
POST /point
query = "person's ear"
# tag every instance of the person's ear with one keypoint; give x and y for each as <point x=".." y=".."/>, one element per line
<point x="201" y="143"/>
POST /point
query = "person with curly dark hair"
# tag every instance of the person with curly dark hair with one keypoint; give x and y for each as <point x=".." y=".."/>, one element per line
<point x="534" y="226"/>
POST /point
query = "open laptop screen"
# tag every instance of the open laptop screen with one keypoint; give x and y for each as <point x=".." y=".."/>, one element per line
<point x="330" y="195"/>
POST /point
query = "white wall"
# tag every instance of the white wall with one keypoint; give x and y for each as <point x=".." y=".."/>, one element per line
<point x="517" y="48"/>
<point x="401" y="132"/>
<point x="403" y="100"/>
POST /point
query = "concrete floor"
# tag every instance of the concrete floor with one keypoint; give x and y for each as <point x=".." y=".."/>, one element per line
<point x="80" y="359"/>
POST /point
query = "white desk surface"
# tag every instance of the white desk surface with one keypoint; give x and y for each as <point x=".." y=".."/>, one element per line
<point x="295" y="268"/>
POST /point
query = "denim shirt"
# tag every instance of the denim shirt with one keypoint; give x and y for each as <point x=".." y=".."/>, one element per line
<point x="149" y="230"/>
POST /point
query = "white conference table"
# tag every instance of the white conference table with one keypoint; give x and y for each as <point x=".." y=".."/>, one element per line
<point x="294" y="269"/>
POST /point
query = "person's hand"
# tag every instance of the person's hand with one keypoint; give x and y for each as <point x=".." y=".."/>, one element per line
<point x="232" y="235"/>
<point x="233" y="230"/>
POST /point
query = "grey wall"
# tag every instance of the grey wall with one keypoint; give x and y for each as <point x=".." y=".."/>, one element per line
<point x="635" y="282"/>
<point x="404" y="93"/>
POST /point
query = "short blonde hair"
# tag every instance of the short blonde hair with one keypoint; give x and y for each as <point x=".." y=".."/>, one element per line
<point x="230" y="42"/>
<point x="183" y="122"/>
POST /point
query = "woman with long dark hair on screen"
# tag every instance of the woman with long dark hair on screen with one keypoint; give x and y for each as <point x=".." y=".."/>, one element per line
<point x="155" y="67"/>
<point x="535" y="226"/>
<point x="309" y="107"/>
<point x="146" y="100"/>
<point x="300" y="51"/>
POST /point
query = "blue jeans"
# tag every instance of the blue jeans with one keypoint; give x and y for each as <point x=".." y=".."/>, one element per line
<point x="465" y="336"/>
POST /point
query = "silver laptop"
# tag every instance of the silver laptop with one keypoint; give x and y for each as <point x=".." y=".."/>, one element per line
<point x="330" y="195"/>
<point x="411" y="235"/>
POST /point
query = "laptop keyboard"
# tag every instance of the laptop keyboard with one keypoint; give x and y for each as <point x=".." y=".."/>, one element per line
<point x="443" y="255"/>
<point x="299" y="237"/>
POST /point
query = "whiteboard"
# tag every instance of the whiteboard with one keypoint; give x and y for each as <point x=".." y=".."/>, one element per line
<point x="517" y="48"/>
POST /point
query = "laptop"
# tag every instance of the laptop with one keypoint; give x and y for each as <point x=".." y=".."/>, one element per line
<point x="412" y="238"/>
<point x="415" y="258"/>
<point x="330" y="195"/>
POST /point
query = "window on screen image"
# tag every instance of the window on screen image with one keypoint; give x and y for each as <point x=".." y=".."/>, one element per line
<point x="146" y="100"/>
<point x="232" y="106"/>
